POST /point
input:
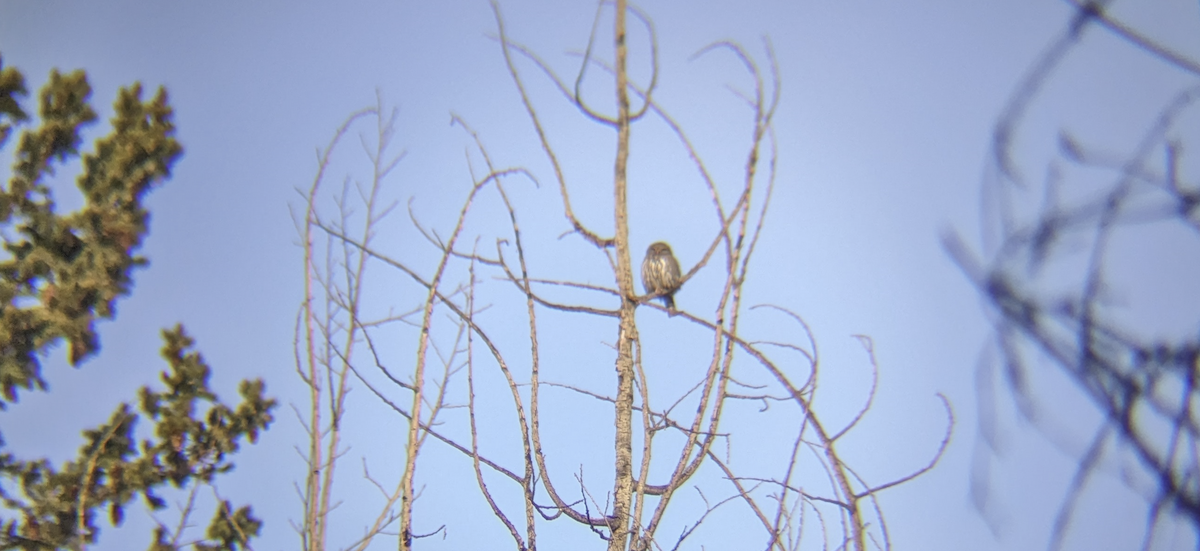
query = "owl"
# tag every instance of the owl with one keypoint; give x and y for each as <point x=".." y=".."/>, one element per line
<point x="660" y="273"/>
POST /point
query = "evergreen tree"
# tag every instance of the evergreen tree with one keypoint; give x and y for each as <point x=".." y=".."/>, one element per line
<point x="61" y="273"/>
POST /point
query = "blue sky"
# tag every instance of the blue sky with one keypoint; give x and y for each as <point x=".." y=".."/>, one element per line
<point x="883" y="133"/>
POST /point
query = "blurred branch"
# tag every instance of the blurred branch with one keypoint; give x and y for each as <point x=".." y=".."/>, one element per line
<point x="1143" y="389"/>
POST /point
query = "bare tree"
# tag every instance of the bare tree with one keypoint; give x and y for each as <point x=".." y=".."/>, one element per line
<point x="1061" y="280"/>
<point x="486" y="314"/>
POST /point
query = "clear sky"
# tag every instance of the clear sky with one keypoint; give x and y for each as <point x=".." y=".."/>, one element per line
<point x="883" y="134"/>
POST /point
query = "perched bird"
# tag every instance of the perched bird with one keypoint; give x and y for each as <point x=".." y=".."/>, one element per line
<point x="660" y="272"/>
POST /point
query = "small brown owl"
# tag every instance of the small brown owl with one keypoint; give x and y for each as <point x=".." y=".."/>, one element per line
<point x="660" y="273"/>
